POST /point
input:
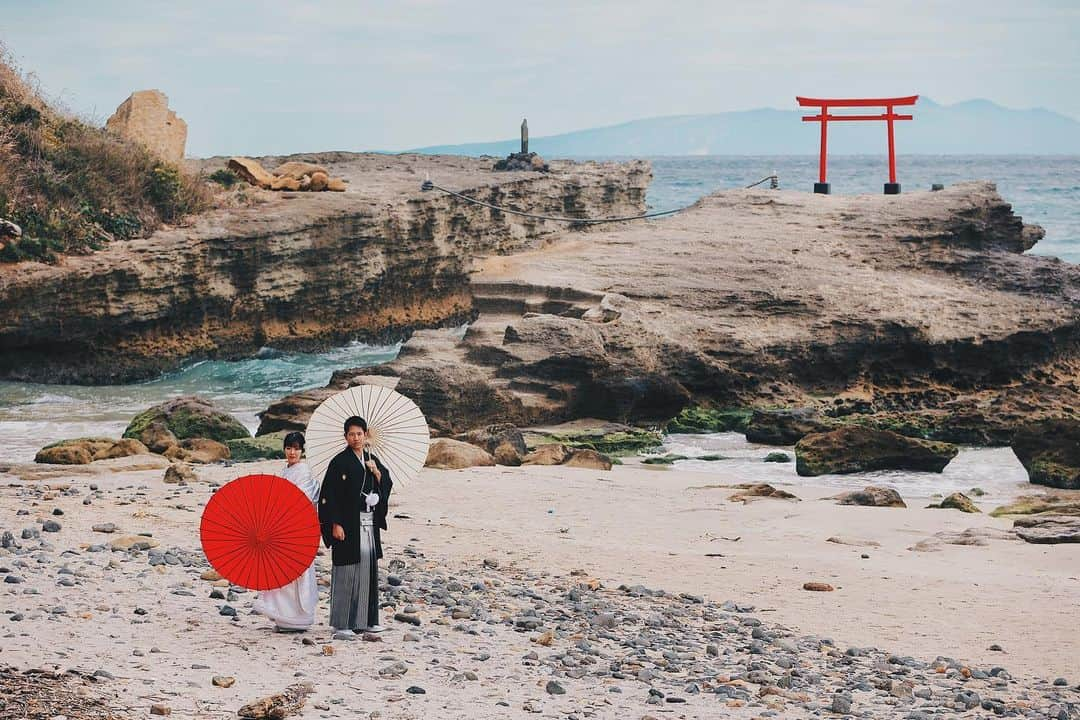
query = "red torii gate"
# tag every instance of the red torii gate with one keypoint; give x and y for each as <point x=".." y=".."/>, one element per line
<point x="892" y="187"/>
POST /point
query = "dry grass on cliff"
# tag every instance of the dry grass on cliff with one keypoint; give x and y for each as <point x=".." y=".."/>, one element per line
<point x="73" y="187"/>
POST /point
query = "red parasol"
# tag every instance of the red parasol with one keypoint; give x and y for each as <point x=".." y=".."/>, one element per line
<point x="260" y="532"/>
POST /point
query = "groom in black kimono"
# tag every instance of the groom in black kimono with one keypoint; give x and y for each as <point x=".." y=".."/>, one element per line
<point x="352" y="511"/>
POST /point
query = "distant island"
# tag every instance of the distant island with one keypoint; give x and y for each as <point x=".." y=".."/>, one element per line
<point x="973" y="127"/>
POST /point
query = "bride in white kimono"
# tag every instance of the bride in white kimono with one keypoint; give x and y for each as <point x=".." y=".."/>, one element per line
<point x="292" y="607"/>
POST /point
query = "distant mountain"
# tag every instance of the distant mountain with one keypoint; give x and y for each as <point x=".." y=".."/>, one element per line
<point x="974" y="127"/>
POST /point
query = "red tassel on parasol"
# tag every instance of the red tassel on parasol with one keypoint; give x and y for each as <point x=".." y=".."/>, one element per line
<point x="260" y="532"/>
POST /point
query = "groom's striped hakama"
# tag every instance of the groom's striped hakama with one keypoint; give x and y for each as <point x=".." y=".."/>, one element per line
<point x="354" y="589"/>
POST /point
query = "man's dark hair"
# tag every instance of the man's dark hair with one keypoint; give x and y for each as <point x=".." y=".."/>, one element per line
<point x="356" y="421"/>
<point x="294" y="438"/>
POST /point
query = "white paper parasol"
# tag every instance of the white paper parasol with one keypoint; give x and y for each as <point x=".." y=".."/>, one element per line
<point x="397" y="431"/>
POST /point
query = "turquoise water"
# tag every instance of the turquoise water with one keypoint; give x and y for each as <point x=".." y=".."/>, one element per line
<point x="1044" y="190"/>
<point x="34" y="415"/>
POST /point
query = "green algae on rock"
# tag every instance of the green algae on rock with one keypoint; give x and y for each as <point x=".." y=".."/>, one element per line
<point x="611" y="439"/>
<point x="700" y="419"/>
<point x="188" y="417"/>
<point x="1050" y="452"/>
<point x="263" y="447"/>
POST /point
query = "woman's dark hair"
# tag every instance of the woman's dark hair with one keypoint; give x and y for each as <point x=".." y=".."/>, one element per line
<point x="294" y="438"/>
<point x="356" y="421"/>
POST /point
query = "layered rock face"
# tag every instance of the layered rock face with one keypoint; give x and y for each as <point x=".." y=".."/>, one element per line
<point x="918" y="312"/>
<point x="298" y="271"/>
<point x="145" y="117"/>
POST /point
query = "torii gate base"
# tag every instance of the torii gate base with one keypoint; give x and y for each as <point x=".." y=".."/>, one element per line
<point x="822" y="187"/>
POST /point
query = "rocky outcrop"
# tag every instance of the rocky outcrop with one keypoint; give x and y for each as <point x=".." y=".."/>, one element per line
<point x="588" y="459"/>
<point x="553" y="454"/>
<point x="180" y="473"/>
<point x="492" y="436"/>
<point x="785" y="426"/>
<point x="83" y="451"/>
<point x="199" y="450"/>
<point x="857" y="449"/>
<point x="264" y="447"/>
<point x="752" y="491"/>
<point x="291" y="175"/>
<point x="915" y="313"/>
<point x="559" y="454"/>
<point x="291" y="270"/>
<point x="182" y="419"/>
<point x="1050" y="452"/>
<point x="957" y="501"/>
<point x="1066" y="503"/>
<point x="447" y="454"/>
<point x="522" y="161"/>
<point x="1049" y="529"/>
<point x="145" y="117"/>
<point x="872" y="496"/>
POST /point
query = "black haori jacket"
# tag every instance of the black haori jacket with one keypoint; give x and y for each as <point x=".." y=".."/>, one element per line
<point x="341" y="501"/>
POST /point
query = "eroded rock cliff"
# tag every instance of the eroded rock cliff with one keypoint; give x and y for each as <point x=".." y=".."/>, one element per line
<point x="294" y="271"/>
<point x="917" y="312"/>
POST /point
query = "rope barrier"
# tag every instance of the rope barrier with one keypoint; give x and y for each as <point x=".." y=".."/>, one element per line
<point x="427" y="185"/>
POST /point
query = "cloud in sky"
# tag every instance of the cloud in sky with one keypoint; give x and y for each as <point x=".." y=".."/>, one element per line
<point x="275" y="77"/>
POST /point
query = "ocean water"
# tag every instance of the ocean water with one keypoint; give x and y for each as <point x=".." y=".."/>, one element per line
<point x="1045" y="190"/>
<point x="995" y="471"/>
<point x="33" y="415"/>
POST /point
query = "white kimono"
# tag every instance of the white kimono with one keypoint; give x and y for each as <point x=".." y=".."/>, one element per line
<point x="292" y="607"/>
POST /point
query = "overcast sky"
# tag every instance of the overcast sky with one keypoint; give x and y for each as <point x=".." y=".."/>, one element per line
<point x="293" y="76"/>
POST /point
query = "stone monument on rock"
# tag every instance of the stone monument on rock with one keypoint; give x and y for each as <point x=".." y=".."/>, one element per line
<point x="523" y="160"/>
<point x="145" y="117"/>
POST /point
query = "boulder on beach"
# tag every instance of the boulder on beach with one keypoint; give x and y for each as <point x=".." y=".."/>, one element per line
<point x="1050" y="452"/>
<point x="559" y="454"/>
<point x="957" y="501"/>
<point x="261" y="447"/>
<point x="199" y="450"/>
<point x="184" y="418"/>
<point x="609" y="438"/>
<point x="1066" y="503"/>
<point x="590" y="459"/>
<point x="158" y="438"/>
<point x="82" y="451"/>
<point x="180" y="473"/>
<point x="855" y="449"/>
<point x="124" y="447"/>
<point x="1048" y="529"/>
<point x="751" y="491"/>
<point x="784" y="426"/>
<point x="64" y="455"/>
<point x="491" y="437"/>
<point x="871" y="496"/>
<point x="292" y="412"/>
<point x="506" y="454"/>
<point x="550" y="454"/>
<point x="448" y="454"/>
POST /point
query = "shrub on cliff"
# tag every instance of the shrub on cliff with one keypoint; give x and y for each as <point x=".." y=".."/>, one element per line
<point x="73" y="187"/>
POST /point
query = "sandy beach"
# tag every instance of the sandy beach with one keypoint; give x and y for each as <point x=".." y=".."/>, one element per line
<point x="508" y="547"/>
